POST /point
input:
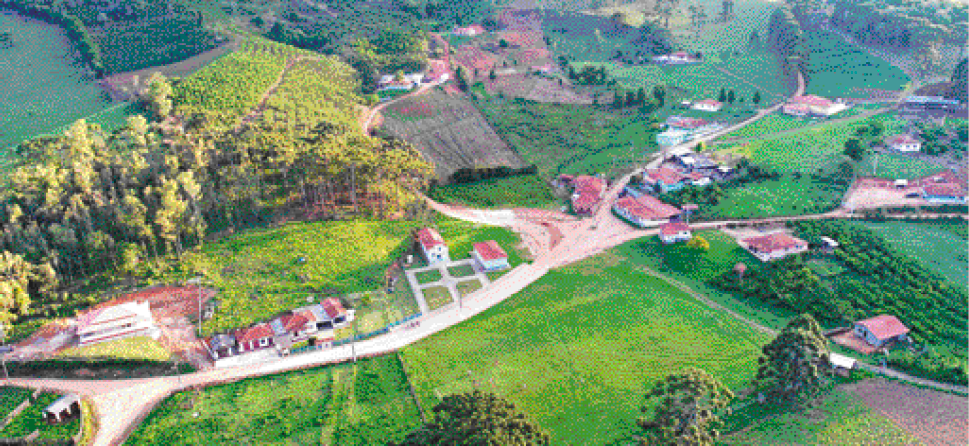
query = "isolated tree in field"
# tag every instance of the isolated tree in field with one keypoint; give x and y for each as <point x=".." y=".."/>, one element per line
<point x="659" y="92"/>
<point x="756" y="98"/>
<point x="157" y="96"/>
<point x="503" y="43"/>
<point x="739" y="269"/>
<point x="682" y="410"/>
<point x="641" y="96"/>
<point x="492" y="75"/>
<point x="854" y="149"/>
<point x="477" y="418"/>
<point x="722" y="97"/>
<point x="461" y="76"/>
<point x="795" y="363"/>
<point x="698" y="243"/>
<point x="731" y="97"/>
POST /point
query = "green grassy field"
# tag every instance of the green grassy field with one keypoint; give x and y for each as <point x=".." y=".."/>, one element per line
<point x="428" y="276"/>
<point x="839" y="69"/>
<point x="599" y="324"/>
<point x="460" y="271"/>
<point x="570" y="138"/>
<point x="529" y="191"/>
<point x="934" y="247"/>
<point x="140" y="347"/>
<point x="10" y="398"/>
<point x="782" y="197"/>
<point x="895" y="165"/>
<point x="32" y="419"/>
<point x="837" y="418"/>
<point x="258" y="272"/>
<point x="349" y="404"/>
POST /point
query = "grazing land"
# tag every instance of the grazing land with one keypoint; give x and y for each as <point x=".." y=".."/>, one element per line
<point x="934" y="247"/>
<point x="32" y="419"/>
<point x="841" y="70"/>
<point x="529" y="191"/>
<point x="258" y="273"/>
<point x="140" y="347"/>
<point x="600" y="323"/>
<point x="363" y="403"/>
<point x="450" y="132"/>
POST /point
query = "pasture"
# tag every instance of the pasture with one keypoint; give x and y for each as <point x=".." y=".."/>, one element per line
<point x="842" y="70"/>
<point x="258" y="273"/>
<point x="450" y="132"/>
<point x="48" y="87"/>
<point x="935" y="248"/>
<point x="32" y="419"/>
<point x="529" y="191"/>
<point x="897" y="165"/>
<point x="11" y="397"/>
<point x="561" y="138"/>
<point x="363" y="403"/>
<point x="599" y="324"/>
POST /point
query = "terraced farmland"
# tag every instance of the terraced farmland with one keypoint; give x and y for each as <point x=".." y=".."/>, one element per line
<point x="450" y="132"/>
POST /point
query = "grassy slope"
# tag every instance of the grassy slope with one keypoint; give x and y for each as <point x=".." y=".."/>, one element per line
<point x="341" y="257"/>
<point x="518" y="191"/>
<point x="838" y="69"/>
<point x="934" y="247"/>
<point x="600" y="324"/>
<point x="348" y="404"/>
<point x="141" y="347"/>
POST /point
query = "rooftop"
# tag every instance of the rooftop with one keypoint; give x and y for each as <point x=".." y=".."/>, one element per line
<point x="647" y="207"/>
<point x="884" y="326"/>
<point x="673" y="228"/>
<point x="774" y="242"/>
<point x="429" y="238"/>
<point x="490" y="250"/>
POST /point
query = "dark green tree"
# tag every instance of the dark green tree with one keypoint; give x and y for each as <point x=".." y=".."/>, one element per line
<point x="756" y="98"/>
<point x="722" y="97"/>
<point x="960" y="76"/>
<point x="854" y="149"/>
<point x="683" y="410"/>
<point x="795" y="363"/>
<point x="477" y="418"/>
<point x="731" y="97"/>
<point x="659" y="92"/>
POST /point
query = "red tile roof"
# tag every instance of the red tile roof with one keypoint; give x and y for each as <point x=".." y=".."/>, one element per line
<point x="295" y="322"/>
<point x="588" y="192"/>
<point x="944" y="190"/>
<point x="333" y="307"/>
<point x="945" y="176"/>
<point x="797" y="108"/>
<point x="665" y="175"/>
<point x="884" y="326"/>
<point x="254" y="333"/>
<point x="647" y="207"/>
<point x="774" y="242"/>
<point x="429" y="238"/>
<point x="901" y="139"/>
<point x="673" y="228"/>
<point x="812" y="100"/>
<point x="709" y="102"/>
<point x="490" y="250"/>
<point x="686" y="123"/>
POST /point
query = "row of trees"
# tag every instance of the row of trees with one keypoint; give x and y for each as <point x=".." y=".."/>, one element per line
<point x="76" y="31"/>
<point x="902" y="25"/>
<point x="786" y="38"/>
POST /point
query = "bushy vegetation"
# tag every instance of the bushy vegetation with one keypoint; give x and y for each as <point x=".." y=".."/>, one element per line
<point x="529" y="191"/>
<point x="786" y="38"/>
<point x="902" y="24"/>
<point x="938" y="247"/>
<point x="11" y="397"/>
<point x="360" y="403"/>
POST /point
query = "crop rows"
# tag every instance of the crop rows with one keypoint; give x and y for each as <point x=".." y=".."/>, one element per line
<point x="313" y="91"/>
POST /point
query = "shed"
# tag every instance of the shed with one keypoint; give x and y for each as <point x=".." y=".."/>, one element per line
<point x="841" y="363"/>
<point x="64" y="408"/>
<point x="829" y="244"/>
<point x="881" y="330"/>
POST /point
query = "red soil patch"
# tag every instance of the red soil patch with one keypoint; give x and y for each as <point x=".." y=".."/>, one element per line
<point x="523" y="39"/>
<point x="165" y="301"/>
<point x="473" y="58"/>
<point x="532" y="55"/>
<point x="933" y="417"/>
<point x="851" y="340"/>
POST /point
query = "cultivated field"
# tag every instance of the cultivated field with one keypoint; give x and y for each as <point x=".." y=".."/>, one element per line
<point x="450" y="132"/>
<point x="31" y="419"/>
<point x="932" y="417"/>
<point x="932" y="245"/>
<point x="528" y="191"/>
<point x="349" y="404"/>
<point x="599" y="324"/>
<point x="839" y="69"/>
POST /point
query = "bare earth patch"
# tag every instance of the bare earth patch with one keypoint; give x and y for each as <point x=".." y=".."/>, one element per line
<point x="934" y="417"/>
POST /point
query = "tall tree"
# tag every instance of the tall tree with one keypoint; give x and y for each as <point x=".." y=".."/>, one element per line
<point x="477" y="418"/>
<point x="960" y="75"/>
<point x="795" y="363"/>
<point x="683" y="410"/>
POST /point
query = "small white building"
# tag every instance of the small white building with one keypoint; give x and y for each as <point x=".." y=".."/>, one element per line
<point x="490" y="256"/>
<point x="707" y="105"/>
<point x="841" y="363"/>
<point x="675" y="232"/>
<point x="903" y="143"/>
<point x="409" y="81"/>
<point x="64" y="408"/>
<point x="432" y="246"/>
<point x="117" y="322"/>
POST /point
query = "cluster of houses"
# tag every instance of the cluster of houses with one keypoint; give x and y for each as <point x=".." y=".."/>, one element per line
<point x="679" y="171"/>
<point x="681" y="129"/>
<point x="488" y="255"/>
<point x="316" y="322"/>
<point x="678" y="58"/>
<point x="812" y="105"/>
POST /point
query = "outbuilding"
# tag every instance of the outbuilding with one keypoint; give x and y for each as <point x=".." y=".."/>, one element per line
<point x="64" y="408"/>
<point x="881" y="330"/>
<point x="490" y="256"/>
<point x="432" y="245"/>
<point x="675" y="232"/>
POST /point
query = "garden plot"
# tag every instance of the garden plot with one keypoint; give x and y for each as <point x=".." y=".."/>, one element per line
<point x="441" y="284"/>
<point x="931" y="416"/>
<point x="31" y="420"/>
<point x="450" y="132"/>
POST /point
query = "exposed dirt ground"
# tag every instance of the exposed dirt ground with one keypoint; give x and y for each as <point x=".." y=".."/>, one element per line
<point x="934" y="417"/>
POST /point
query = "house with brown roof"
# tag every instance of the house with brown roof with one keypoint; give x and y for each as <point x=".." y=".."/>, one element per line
<point x="432" y="245"/>
<point x="881" y="330"/>
<point x="490" y="256"/>
<point x="587" y="191"/>
<point x="644" y="211"/>
<point x="257" y="337"/>
<point x="675" y="231"/>
<point x="774" y="246"/>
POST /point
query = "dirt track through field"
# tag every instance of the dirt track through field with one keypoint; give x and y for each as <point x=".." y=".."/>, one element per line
<point x="933" y="417"/>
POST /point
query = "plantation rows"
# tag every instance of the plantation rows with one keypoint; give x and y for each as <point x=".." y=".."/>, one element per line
<point x="313" y="91"/>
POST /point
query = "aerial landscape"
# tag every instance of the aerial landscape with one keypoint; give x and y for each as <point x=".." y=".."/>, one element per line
<point x="484" y="222"/>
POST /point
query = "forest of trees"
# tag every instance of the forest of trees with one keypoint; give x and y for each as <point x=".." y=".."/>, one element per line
<point x="786" y="38"/>
<point x="90" y="201"/>
<point x="902" y="24"/>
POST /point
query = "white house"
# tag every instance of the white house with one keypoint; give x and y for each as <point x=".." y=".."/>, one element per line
<point x="64" y="408"/>
<point x="409" y="81"/>
<point x="468" y="31"/>
<point x="490" y="256"/>
<point x="675" y="232"/>
<point x="903" y="143"/>
<point x="774" y="246"/>
<point x="818" y="105"/>
<point x="117" y="322"/>
<point x="881" y="330"/>
<point x="432" y="245"/>
<point x="708" y="105"/>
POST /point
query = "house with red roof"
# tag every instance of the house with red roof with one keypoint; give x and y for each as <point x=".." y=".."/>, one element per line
<point x="944" y="193"/>
<point x="468" y="31"/>
<point x="707" y="105"/>
<point x="799" y="110"/>
<point x="644" y="211"/>
<point x="490" y="256"/>
<point x="818" y="105"/>
<point x="587" y="191"/>
<point x="881" y="330"/>
<point x="665" y="179"/>
<point x="903" y="143"/>
<point x="432" y="245"/>
<point x="437" y="70"/>
<point x="675" y="231"/>
<point x="257" y="337"/>
<point x="774" y="246"/>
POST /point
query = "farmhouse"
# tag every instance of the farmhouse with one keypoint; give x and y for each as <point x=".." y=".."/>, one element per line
<point x="677" y="58"/>
<point x="64" y="408"/>
<point x="675" y="232"/>
<point x="644" y="211"/>
<point x="116" y="322"/>
<point x="708" y="105"/>
<point x="468" y="31"/>
<point x="903" y="143"/>
<point x="673" y="137"/>
<point x="774" y="246"/>
<point x="799" y="110"/>
<point x="818" y="105"/>
<point x="881" y="330"/>
<point x="944" y="193"/>
<point x="490" y="256"/>
<point x="587" y="192"/>
<point x="409" y="81"/>
<point x="253" y="338"/>
<point x="432" y="245"/>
